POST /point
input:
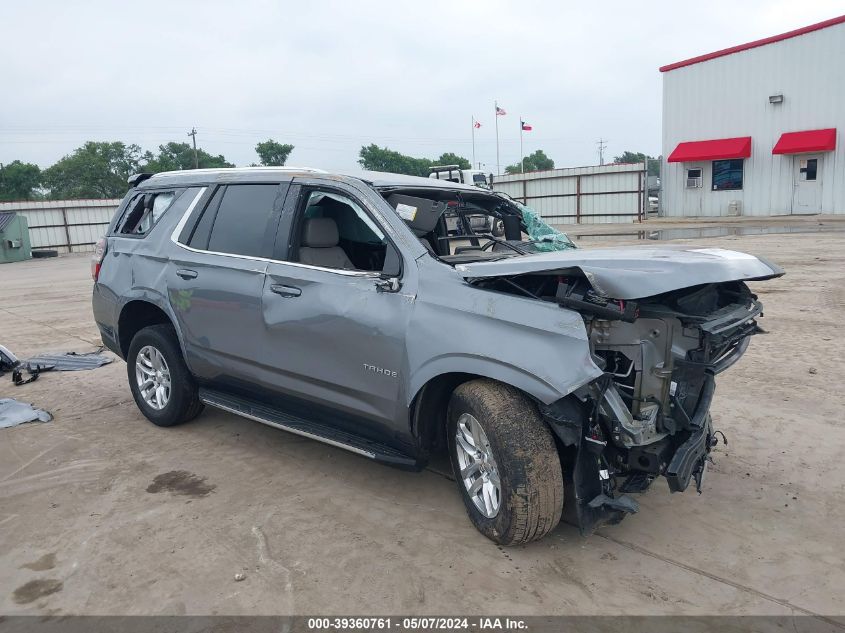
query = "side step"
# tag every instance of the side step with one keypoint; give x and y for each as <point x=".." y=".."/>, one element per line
<point x="277" y="418"/>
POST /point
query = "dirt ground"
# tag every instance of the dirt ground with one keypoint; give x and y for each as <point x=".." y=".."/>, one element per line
<point x="103" y="513"/>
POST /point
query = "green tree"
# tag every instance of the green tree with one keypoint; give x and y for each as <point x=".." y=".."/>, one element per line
<point x="273" y="154"/>
<point x="538" y="161"/>
<point x="18" y="181"/>
<point x="450" y="158"/>
<point x="375" y="158"/>
<point x="95" y="170"/>
<point x="177" y="156"/>
<point x="628" y="157"/>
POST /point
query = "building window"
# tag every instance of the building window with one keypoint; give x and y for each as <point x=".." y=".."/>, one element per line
<point x="727" y="174"/>
<point x="808" y="168"/>
<point x="693" y="178"/>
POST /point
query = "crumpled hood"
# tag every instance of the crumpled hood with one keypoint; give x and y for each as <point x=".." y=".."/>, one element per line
<point x="635" y="272"/>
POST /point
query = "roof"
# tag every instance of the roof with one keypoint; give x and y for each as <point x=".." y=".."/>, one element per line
<point x="716" y="149"/>
<point x="257" y="174"/>
<point x="806" y="141"/>
<point x="756" y="43"/>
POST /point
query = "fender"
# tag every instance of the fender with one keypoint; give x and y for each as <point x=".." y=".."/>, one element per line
<point x="533" y="345"/>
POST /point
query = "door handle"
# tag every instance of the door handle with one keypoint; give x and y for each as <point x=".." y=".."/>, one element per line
<point x="185" y="273"/>
<point x="285" y="291"/>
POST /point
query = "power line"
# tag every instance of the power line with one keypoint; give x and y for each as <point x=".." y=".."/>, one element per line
<point x="602" y="143"/>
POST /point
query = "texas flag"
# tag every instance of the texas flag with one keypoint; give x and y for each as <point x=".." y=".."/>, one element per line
<point x="500" y="111"/>
<point x="525" y="126"/>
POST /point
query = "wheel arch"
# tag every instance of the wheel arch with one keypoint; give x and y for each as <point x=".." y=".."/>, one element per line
<point x="431" y="397"/>
<point x="138" y="313"/>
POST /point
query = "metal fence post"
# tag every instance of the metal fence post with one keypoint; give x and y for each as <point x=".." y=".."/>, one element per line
<point x="578" y="199"/>
<point x="67" y="230"/>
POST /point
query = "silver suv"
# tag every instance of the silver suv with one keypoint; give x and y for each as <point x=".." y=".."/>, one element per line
<point x="560" y="381"/>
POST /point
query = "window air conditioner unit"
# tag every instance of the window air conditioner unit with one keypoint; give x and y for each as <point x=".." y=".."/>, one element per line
<point x="694" y="183"/>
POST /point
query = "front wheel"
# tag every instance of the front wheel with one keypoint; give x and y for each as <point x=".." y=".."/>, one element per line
<point x="161" y="384"/>
<point x="505" y="462"/>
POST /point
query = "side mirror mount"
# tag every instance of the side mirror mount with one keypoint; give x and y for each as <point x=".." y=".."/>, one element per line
<point x="391" y="271"/>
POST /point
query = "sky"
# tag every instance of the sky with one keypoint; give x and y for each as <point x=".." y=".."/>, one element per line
<point x="329" y="77"/>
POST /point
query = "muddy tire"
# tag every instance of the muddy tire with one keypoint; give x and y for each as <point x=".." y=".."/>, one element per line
<point x="162" y="386"/>
<point x="520" y="497"/>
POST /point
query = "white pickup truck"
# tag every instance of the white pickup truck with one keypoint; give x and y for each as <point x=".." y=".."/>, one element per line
<point x="476" y="177"/>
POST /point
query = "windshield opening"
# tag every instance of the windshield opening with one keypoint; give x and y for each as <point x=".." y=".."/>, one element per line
<point x="460" y="227"/>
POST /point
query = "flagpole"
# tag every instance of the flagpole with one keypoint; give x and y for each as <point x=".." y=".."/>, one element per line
<point x="473" y="142"/>
<point x="521" y="153"/>
<point x="496" y="112"/>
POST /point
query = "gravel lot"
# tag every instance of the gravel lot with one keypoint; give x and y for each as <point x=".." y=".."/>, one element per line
<point x="104" y="513"/>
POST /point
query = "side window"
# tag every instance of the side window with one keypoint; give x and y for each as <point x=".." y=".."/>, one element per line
<point x="335" y="232"/>
<point x="144" y="210"/>
<point x="240" y="226"/>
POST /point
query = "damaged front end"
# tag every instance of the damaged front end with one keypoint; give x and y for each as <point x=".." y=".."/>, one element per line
<point x="647" y="415"/>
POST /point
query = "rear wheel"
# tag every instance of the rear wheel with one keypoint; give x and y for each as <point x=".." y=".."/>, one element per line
<point x="505" y="462"/>
<point x="162" y="386"/>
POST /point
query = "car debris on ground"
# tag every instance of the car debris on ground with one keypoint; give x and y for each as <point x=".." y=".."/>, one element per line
<point x="67" y="361"/>
<point x="13" y="412"/>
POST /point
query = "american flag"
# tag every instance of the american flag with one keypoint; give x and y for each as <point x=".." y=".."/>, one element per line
<point x="500" y="111"/>
<point x="476" y="124"/>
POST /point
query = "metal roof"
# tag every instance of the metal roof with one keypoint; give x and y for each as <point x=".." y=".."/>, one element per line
<point x="756" y="43"/>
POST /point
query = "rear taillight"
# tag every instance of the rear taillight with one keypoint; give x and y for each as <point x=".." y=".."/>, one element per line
<point x="97" y="257"/>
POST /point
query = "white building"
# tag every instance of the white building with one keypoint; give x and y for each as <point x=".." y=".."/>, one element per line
<point x="756" y="129"/>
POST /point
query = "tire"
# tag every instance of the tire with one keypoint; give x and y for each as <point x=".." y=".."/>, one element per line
<point x="182" y="401"/>
<point x="530" y="499"/>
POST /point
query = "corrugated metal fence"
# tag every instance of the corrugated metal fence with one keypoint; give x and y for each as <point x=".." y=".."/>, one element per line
<point x="581" y="195"/>
<point x="68" y="226"/>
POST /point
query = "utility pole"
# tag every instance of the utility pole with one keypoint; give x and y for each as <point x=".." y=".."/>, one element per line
<point x="602" y="145"/>
<point x="193" y="134"/>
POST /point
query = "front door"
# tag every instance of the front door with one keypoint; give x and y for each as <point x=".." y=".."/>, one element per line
<point x="333" y="338"/>
<point x="807" y="189"/>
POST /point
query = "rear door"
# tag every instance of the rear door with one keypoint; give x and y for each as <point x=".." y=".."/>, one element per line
<point x="216" y="278"/>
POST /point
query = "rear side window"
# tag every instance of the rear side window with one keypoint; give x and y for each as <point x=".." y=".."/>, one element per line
<point x="144" y="210"/>
<point x="241" y="225"/>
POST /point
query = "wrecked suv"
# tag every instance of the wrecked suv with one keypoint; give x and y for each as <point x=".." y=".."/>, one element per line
<point x="561" y="381"/>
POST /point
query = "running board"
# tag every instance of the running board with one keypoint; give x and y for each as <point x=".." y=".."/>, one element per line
<point x="277" y="418"/>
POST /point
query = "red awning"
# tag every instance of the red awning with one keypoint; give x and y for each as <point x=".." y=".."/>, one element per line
<point x="712" y="150"/>
<point x="808" y="141"/>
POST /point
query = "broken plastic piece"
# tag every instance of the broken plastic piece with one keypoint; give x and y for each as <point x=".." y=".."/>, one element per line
<point x="8" y="361"/>
<point x="14" y="412"/>
<point x="623" y="503"/>
<point x="18" y="379"/>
